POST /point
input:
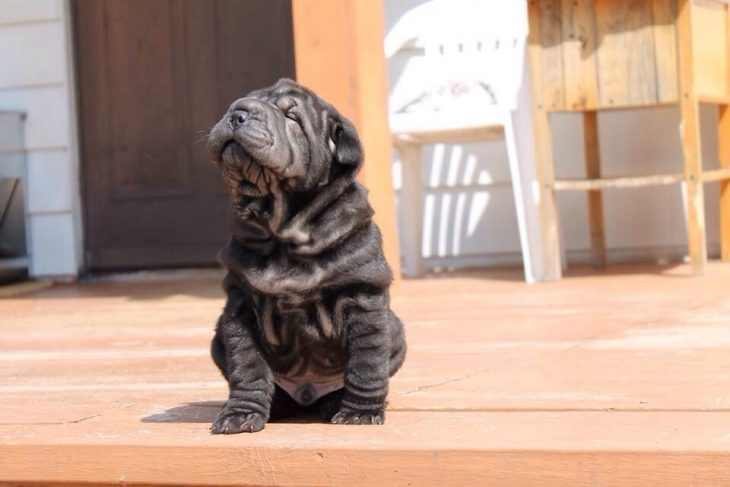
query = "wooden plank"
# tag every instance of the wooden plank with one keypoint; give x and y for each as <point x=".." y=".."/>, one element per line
<point x="595" y="198"/>
<point x="716" y="174"/>
<point x="611" y="74"/>
<point x="626" y="59"/>
<point x="618" y="382"/>
<point x="541" y="18"/>
<point x="641" y="52"/>
<point x="688" y="449"/>
<point x="723" y="139"/>
<point x="579" y="54"/>
<point x="627" y="106"/>
<point x="665" y="42"/>
<point x="691" y="150"/>
<point x="618" y="182"/>
<point x="345" y="64"/>
<point x="710" y="49"/>
<point x="546" y="36"/>
<point x="154" y="341"/>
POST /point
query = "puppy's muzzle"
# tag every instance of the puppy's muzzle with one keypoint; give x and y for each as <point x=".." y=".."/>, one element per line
<point x="237" y="119"/>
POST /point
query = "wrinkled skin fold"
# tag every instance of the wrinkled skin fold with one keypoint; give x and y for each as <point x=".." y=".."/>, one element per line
<point x="307" y="282"/>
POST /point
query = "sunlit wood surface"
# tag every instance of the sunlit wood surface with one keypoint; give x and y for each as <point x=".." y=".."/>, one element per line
<point x="607" y="378"/>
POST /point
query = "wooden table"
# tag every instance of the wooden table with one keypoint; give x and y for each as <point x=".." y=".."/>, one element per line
<point x="593" y="55"/>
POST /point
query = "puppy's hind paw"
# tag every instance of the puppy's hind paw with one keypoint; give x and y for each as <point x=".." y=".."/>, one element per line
<point x="230" y="421"/>
<point x="347" y="416"/>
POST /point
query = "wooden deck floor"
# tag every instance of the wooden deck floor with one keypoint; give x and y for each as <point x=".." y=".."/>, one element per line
<point x="613" y="378"/>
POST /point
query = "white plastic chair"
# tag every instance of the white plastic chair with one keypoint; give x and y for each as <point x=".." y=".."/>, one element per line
<point x="476" y="53"/>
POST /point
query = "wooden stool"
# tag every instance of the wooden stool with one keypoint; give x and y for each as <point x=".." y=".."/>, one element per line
<point x="591" y="55"/>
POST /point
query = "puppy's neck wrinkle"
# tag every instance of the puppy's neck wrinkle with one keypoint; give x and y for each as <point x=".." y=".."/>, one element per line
<point x="328" y="242"/>
<point x="258" y="219"/>
<point x="290" y="219"/>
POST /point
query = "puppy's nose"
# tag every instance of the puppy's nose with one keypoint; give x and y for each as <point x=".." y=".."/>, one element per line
<point x="237" y="118"/>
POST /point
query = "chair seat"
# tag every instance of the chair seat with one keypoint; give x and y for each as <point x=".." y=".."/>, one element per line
<point x="449" y="125"/>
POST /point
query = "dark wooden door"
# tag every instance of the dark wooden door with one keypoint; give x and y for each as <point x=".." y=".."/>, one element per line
<point x="153" y="77"/>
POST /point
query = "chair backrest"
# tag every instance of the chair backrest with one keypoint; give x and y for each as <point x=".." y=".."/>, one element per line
<point x="468" y="40"/>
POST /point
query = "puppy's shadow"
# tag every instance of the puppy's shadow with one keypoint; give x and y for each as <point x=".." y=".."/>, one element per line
<point x="206" y="411"/>
<point x="192" y="412"/>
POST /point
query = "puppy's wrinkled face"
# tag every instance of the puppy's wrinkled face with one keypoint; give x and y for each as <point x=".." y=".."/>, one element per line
<point x="282" y="137"/>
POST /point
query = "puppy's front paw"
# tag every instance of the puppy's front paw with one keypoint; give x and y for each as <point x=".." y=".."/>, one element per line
<point x="348" y="416"/>
<point x="231" y="420"/>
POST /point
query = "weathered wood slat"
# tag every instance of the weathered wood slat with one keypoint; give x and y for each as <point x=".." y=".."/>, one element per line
<point x="579" y="54"/>
<point x="665" y="42"/>
<point x="710" y="49"/>
<point x="691" y="149"/>
<point x="548" y="36"/>
<point x="627" y="69"/>
<point x="641" y="52"/>
<point x="716" y="174"/>
<point x="627" y="106"/>
<point x="617" y="182"/>
<point x="595" y="198"/>
<point x="611" y="74"/>
<point x="590" y="184"/>
<point x="595" y="448"/>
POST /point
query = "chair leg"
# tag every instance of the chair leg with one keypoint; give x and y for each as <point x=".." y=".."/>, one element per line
<point x="547" y="204"/>
<point x="595" y="197"/>
<point x="411" y="207"/>
<point x="695" y="200"/>
<point x="723" y="138"/>
<point x="519" y="139"/>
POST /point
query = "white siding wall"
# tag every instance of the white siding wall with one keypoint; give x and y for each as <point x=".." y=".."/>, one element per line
<point x="477" y="226"/>
<point x="36" y="77"/>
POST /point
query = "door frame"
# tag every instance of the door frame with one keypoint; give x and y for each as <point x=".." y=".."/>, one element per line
<point x="74" y="148"/>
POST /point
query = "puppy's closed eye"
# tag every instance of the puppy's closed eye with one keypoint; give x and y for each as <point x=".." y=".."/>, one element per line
<point x="292" y="114"/>
<point x="288" y="107"/>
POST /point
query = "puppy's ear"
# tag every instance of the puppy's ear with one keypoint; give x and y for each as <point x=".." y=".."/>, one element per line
<point x="347" y="150"/>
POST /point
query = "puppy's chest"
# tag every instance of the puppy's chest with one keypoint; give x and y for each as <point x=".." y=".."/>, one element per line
<point x="291" y="327"/>
<point x="303" y="344"/>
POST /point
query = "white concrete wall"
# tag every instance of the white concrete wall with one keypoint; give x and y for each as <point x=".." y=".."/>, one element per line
<point x="36" y="77"/>
<point x="473" y="226"/>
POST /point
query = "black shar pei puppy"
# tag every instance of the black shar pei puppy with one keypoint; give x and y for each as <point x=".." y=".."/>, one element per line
<point x="307" y="325"/>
